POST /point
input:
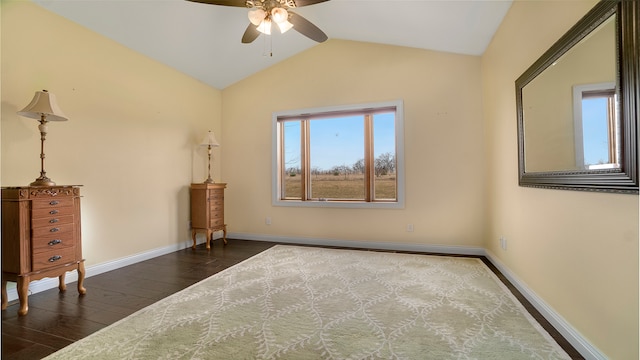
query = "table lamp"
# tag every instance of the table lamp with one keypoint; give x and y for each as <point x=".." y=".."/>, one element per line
<point x="43" y="108"/>
<point x="209" y="141"/>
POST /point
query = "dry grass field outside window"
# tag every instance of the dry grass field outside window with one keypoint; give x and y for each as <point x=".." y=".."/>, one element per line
<point x="341" y="186"/>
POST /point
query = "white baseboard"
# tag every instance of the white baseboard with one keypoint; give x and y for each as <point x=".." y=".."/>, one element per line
<point x="577" y="340"/>
<point x="441" y="249"/>
<point x="574" y="337"/>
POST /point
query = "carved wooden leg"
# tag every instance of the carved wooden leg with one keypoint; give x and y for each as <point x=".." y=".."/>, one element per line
<point x="23" y="294"/>
<point x="193" y="236"/>
<point x="81" y="289"/>
<point x="61" y="284"/>
<point x="224" y="234"/>
<point x="5" y="299"/>
<point x="209" y="238"/>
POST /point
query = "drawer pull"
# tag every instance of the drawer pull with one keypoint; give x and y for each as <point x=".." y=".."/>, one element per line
<point x="53" y="212"/>
<point x="53" y="221"/>
<point x="55" y="258"/>
<point x="54" y="202"/>
<point x="54" y="229"/>
<point x="55" y="242"/>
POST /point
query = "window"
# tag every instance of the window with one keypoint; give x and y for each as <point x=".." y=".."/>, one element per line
<point x="349" y="156"/>
<point x="596" y="126"/>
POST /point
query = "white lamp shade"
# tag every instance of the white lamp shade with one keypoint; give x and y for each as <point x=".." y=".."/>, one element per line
<point x="285" y="26"/>
<point x="256" y="16"/>
<point x="265" y="27"/>
<point x="43" y="103"/>
<point x="209" y="140"/>
<point x="279" y="15"/>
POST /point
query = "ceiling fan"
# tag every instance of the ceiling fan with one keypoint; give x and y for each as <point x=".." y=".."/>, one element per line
<point x="263" y="13"/>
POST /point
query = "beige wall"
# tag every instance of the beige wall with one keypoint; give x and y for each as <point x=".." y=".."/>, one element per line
<point x="443" y="142"/>
<point x="578" y="251"/>
<point x="130" y="136"/>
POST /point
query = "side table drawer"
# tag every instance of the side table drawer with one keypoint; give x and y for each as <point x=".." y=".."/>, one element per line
<point x="215" y="222"/>
<point x="52" y="242"/>
<point x="52" y="258"/>
<point x="52" y="203"/>
<point x="52" y="229"/>
<point x="51" y="211"/>
<point x="51" y="221"/>
<point x="216" y="195"/>
<point x="216" y="206"/>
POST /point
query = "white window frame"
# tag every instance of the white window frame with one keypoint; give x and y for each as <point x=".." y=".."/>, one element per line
<point x="399" y="156"/>
<point x="578" y="95"/>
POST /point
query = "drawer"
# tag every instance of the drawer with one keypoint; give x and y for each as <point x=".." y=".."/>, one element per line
<point x="216" y="207"/>
<point x="51" y="242"/>
<point x="216" y="195"/>
<point x="51" y="210"/>
<point x="48" y="259"/>
<point x="216" y="222"/>
<point x="51" y="229"/>
<point x="213" y="200"/>
<point x="51" y="220"/>
<point x="52" y="203"/>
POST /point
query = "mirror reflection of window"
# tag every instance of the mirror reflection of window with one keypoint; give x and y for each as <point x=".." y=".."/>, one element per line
<point x="596" y="126"/>
<point x="552" y="141"/>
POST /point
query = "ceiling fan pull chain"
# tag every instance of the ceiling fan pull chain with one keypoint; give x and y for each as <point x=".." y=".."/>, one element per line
<point x="267" y="51"/>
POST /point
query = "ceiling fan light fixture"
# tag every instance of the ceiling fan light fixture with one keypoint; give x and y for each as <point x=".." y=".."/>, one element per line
<point x="262" y="13"/>
<point x="265" y="27"/>
<point x="257" y="16"/>
<point x="279" y="15"/>
<point x="285" y="26"/>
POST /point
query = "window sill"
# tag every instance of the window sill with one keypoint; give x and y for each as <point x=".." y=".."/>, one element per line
<point x="340" y="204"/>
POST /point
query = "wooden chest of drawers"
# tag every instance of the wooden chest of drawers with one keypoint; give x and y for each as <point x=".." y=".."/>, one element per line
<point x="41" y="237"/>
<point x="207" y="211"/>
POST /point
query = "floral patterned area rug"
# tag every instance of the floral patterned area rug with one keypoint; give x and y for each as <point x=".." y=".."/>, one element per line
<point x="294" y="302"/>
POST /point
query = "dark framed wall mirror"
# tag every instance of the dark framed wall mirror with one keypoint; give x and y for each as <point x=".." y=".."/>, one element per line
<point x="577" y="105"/>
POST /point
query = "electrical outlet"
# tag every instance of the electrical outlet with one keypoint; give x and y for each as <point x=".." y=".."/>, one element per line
<point x="267" y="220"/>
<point x="503" y="243"/>
<point x="409" y="227"/>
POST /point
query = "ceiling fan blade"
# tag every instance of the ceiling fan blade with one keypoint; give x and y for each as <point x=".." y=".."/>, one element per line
<point x="306" y="28"/>
<point x="301" y="3"/>
<point x="250" y="34"/>
<point x="237" y="3"/>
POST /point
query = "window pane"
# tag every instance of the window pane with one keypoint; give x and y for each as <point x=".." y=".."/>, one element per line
<point x="292" y="181"/>
<point x="335" y="145"/>
<point x="595" y="128"/>
<point x="384" y="150"/>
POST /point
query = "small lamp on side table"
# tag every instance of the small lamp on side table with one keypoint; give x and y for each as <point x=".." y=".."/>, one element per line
<point x="210" y="142"/>
<point x="43" y="108"/>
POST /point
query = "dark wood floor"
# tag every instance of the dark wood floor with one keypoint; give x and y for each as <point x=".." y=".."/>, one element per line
<point x="56" y="319"/>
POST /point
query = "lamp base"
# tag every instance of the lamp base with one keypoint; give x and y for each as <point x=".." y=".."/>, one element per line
<point x="209" y="181"/>
<point x="43" y="181"/>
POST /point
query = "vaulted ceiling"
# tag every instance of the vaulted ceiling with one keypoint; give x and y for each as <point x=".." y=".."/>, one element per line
<point x="203" y="40"/>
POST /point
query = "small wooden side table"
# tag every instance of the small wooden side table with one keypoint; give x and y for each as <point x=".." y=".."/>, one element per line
<point x="207" y="211"/>
<point x="40" y="237"/>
